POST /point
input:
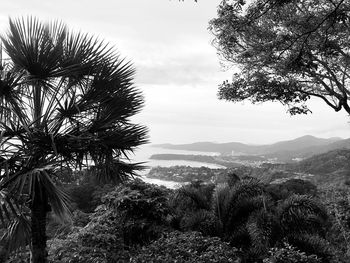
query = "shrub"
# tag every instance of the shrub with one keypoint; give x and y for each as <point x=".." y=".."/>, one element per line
<point x="186" y="247"/>
<point x="86" y="190"/>
<point x="186" y="201"/>
<point x="82" y="196"/>
<point x="303" y="214"/>
<point x="131" y="214"/>
<point x="99" y="241"/>
<point x="143" y="210"/>
<point x="192" y="197"/>
<point x="289" y="254"/>
<point x="336" y="199"/>
<point x="293" y="186"/>
<point x="80" y="218"/>
<point x="202" y="221"/>
<point x="20" y="256"/>
<point x="140" y="200"/>
<point x="232" y="179"/>
<point x="233" y="206"/>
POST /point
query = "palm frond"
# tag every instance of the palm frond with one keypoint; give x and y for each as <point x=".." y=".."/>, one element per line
<point x="260" y="227"/>
<point x="9" y="208"/>
<point x="116" y="171"/>
<point x="236" y="203"/>
<point x="30" y="46"/>
<point x="122" y="138"/>
<point x="203" y="221"/>
<point x="302" y="214"/>
<point x="239" y="213"/>
<point x="246" y="188"/>
<point x="312" y="244"/>
<point x="17" y="233"/>
<point x="220" y="201"/>
<point x="83" y="55"/>
<point x="26" y="182"/>
<point x="196" y="196"/>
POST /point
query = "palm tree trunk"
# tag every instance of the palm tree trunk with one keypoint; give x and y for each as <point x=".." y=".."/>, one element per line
<point x="39" y="211"/>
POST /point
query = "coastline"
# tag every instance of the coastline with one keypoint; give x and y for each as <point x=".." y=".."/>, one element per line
<point x="167" y="183"/>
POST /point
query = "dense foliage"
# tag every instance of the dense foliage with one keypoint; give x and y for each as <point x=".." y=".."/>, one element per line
<point x="240" y="222"/>
<point x="286" y="51"/>
<point x="289" y="254"/>
<point x="247" y="215"/>
<point x="188" y="247"/>
<point x="337" y="200"/>
<point x="129" y="216"/>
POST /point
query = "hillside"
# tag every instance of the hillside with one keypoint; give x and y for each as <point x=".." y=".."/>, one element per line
<point x="326" y="163"/>
<point x="328" y="168"/>
<point x="299" y="144"/>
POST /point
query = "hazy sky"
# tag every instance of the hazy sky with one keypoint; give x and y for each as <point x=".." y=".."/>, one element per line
<point x="178" y="70"/>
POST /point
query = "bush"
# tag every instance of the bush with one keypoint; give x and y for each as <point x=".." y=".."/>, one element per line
<point x="202" y="221"/>
<point x="99" y="241"/>
<point x="132" y="214"/>
<point x="140" y="200"/>
<point x="186" y="247"/>
<point x="336" y="199"/>
<point x="189" y="204"/>
<point x="289" y="254"/>
<point x="82" y="196"/>
<point x="293" y="186"/>
<point x="143" y="209"/>
<point x="192" y="197"/>
<point x="21" y="256"/>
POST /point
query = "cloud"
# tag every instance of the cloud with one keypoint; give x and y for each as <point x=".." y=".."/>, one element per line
<point x="178" y="70"/>
<point x="195" y="69"/>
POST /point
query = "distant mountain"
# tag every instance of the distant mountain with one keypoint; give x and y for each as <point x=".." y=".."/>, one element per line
<point x="303" y="142"/>
<point x="303" y="152"/>
<point x="286" y="151"/>
<point x="223" y="148"/>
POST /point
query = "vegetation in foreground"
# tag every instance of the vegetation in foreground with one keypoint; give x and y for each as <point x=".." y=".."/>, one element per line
<point x="241" y="220"/>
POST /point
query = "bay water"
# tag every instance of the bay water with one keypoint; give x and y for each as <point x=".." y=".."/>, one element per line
<point x="143" y="154"/>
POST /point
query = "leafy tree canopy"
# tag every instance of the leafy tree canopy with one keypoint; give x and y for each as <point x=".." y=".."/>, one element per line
<point x="286" y="51"/>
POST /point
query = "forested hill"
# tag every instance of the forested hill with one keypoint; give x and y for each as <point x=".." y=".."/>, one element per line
<point x="326" y="163"/>
<point x="323" y="169"/>
<point x="302" y="147"/>
<point x="328" y="168"/>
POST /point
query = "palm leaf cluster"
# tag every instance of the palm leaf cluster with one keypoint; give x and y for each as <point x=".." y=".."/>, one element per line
<point x="66" y="99"/>
<point x="248" y="217"/>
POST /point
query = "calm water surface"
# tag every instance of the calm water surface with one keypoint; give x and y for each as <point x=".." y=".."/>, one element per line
<point x="144" y="153"/>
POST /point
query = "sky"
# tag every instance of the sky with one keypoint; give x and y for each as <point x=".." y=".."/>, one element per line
<point x="178" y="71"/>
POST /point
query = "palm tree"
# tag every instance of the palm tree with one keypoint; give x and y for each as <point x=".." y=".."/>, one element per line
<point x="304" y="221"/>
<point x="65" y="101"/>
<point x="253" y="222"/>
<point x="191" y="205"/>
<point x="233" y="205"/>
